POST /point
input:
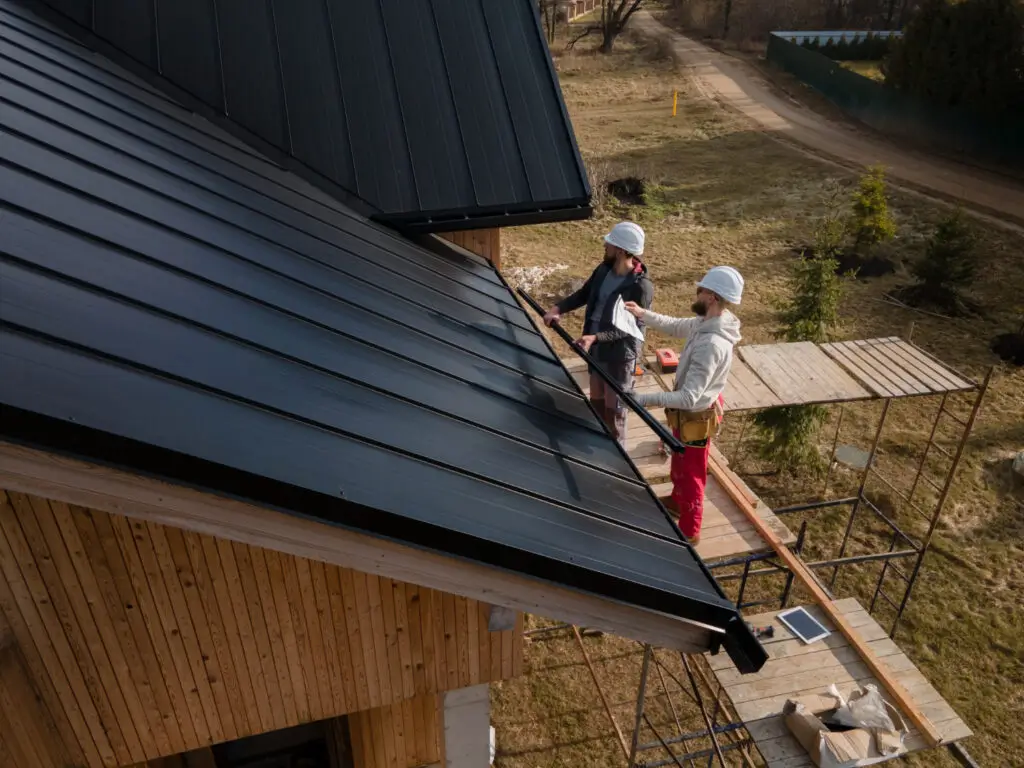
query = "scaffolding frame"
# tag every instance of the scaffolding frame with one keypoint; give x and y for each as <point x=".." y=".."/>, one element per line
<point x="722" y="725"/>
<point x="902" y="545"/>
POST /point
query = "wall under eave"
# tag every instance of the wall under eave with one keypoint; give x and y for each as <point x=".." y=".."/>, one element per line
<point x="407" y="735"/>
<point x="482" y="242"/>
<point x="126" y="641"/>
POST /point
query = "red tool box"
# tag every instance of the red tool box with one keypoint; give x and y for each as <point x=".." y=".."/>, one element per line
<point x="668" y="360"/>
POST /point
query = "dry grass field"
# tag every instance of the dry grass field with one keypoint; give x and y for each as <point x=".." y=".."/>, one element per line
<point x="718" y="192"/>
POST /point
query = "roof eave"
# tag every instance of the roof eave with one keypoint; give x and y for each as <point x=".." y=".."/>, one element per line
<point x="113" y="455"/>
<point x="483" y="218"/>
<point x="119" y="490"/>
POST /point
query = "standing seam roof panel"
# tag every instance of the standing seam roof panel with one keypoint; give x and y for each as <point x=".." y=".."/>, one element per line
<point x="533" y="100"/>
<point x="66" y="53"/>
<point x="129" y="24"/>
<point x="180" y="348"/>
<point x="439" y="276"/>
<point x="383" y="168"/>
<point x="474" y="333"/>
<point x="547" y="406"/>
<point x="119" y="102"/>
<point x="485" y="294"/>
<point x="435" y="113"/>
<point x="252" y="77"/>
<point x="321" y="334"/>
<point x="197" y="69"/>
<point x="421" y="82"/>
<point x="491" y="151"/>
<point x="310" y="76"/>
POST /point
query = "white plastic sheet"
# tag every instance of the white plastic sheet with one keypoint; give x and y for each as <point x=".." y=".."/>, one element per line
<point x="624" y="321"/>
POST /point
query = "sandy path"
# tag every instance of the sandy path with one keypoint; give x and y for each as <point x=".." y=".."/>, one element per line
<point x="734" y="83"/>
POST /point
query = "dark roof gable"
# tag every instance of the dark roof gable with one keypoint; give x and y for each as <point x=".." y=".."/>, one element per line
<point x="438" y="115"/>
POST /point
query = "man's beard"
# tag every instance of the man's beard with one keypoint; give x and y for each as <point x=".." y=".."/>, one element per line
<point x="699" y="308"/>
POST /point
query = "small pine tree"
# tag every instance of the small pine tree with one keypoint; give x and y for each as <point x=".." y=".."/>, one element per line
<point x="870" y="222"/>
<point x="786" y="434"/>
<point x="948" y="268"/>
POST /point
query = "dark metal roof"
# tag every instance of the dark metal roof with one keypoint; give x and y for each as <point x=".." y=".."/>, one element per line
<point x="173" y="303"/>
<point x="439" y="114"/>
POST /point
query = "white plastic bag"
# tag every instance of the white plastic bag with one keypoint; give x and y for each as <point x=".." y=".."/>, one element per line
<point x="864" y="709"/>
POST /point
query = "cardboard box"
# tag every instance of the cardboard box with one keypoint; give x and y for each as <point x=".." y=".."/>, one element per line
<point x="841" y="749"/>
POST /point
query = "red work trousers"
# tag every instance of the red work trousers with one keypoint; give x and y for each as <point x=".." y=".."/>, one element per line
<point x="689" y="473"/>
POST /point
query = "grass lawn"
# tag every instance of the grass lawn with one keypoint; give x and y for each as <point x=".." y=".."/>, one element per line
<point x="869" y="69"/>
<point x="719" y="192"/>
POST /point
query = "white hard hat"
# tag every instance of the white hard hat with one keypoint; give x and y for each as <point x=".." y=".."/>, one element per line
<point x="725" y="281"/>
<point x="628" y="236"/>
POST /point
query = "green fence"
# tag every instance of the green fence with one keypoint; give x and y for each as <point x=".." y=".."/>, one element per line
<point x="900" y="115"/>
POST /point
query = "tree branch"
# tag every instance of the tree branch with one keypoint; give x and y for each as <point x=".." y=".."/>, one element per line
<point x="581" y="35"/>
<point x="633" y="8"/>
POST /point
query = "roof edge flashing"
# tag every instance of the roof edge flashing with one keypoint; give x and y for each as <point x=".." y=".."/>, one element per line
<point x="84" y="443"/>
<point x="745" y="650"/>
<point x="454" y="221"/>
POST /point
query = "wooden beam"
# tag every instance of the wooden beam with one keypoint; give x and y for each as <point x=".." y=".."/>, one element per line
<point x="901" y="697"/>
<point x="111" y="490"/>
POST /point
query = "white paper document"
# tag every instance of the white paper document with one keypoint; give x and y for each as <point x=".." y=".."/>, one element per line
<point x="624" y="321"/>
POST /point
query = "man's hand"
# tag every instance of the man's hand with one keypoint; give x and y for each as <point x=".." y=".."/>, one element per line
<point x="552" y="316"/>
<point x="586" y="342"/>
<point x="635" y="309"/>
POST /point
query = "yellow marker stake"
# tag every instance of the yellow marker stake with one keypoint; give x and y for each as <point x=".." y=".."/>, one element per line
<point x="675" y="95"/>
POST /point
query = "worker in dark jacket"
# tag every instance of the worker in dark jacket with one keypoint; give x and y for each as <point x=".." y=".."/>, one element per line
<point x="621" y="274"/>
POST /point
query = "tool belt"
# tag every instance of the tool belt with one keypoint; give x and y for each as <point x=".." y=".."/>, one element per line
<point x="694" y="426"/>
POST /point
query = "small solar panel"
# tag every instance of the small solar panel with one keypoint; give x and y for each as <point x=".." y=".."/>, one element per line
<point x="803" y="625"/>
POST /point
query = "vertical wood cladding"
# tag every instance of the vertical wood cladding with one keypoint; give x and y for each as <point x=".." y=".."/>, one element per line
<point x="125" y="641"/>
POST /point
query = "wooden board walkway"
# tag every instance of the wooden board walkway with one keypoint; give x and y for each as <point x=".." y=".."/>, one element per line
<point x="891" y="367"/>
<point x="799" y="373"/>
<point x="725" y="531"/>
<point x="804" y="373"/>
<point x="795" y="669"/>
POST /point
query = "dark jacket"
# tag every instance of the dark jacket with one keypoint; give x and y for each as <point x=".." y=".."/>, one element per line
<point x="612" y="345"/>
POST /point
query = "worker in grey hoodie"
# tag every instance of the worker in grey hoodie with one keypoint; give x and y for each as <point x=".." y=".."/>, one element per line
<point x="694" y="408"/>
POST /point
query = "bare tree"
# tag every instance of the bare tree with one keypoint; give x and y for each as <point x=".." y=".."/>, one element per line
<point x="725" y="25"/>
<point x="615" y="14"/>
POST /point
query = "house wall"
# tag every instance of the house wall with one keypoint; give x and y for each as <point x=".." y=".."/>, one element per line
<point x="139" y="640"/>
<point x="404" y="735"/>
<point x="28" y="735"/>
<point x="483" y="242"/>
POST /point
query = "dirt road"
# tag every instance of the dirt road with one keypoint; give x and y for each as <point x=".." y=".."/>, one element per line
<point x="735" y="84"/>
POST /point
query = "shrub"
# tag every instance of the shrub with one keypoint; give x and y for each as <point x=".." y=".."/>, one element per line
<point x="786" y="435"/>
<point x="870" y="222"/>
<point x="947" y="268"/>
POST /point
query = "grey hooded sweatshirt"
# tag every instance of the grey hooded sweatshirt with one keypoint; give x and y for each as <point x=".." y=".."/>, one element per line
<point x="704" y="362"/>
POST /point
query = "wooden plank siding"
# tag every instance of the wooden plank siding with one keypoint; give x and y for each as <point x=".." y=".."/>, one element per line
<point x="124" y="641"/>
<point x="384" y="737"/>
<point x="482" y="242"/>
<point x="29" y="737"/>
